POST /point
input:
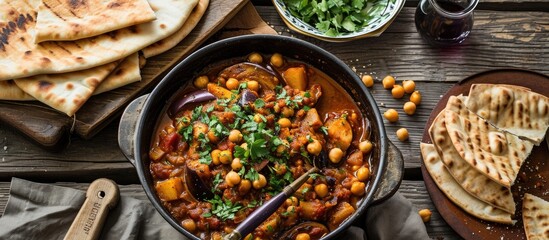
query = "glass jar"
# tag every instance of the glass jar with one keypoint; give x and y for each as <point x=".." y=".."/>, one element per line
<point x="445" y="22"/>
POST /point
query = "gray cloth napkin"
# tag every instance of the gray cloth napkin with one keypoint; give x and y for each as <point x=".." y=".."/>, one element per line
<point x="43" y="211"/>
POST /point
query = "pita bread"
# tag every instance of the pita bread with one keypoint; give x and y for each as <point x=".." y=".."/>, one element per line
<point x="535" y="216"/>
<point x="511" y="108"/>
<point x="63" y="20"/>
<point x="10" y="91"/>
<point x="470" y="179"/>
<point x="65" y="92"/>
<point x="455" y="192"/>
<point x="21" y="57"/>
<point x="125" y="73"/>
<point x="171" y="41"/>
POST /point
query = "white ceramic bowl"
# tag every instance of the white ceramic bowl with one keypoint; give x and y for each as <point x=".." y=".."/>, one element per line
<point x="387" y="12"/>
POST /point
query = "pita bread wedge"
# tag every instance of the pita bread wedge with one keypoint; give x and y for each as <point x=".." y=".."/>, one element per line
<point x="469" y="178"/>
<point x="128" y="71"/>
<point x="10" y="91"/>
<point x="455" y="192"/>
<point x="511" y="108"/>
<point x="494" y="153"/>
<point x="535" y="216"/>
<point x="64" y="20"/>
<point x="65" y="92"/>
<point x="171" y="41"/>
<point x="21" y="57"/>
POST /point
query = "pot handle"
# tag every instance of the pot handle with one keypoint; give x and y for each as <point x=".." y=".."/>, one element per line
<point x="392" y="176"/>
<point x="126" y="129"/>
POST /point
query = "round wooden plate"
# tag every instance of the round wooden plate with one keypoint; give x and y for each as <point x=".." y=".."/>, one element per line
<point x="533" y="176"/>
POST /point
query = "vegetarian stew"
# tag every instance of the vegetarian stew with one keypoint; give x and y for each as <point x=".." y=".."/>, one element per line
<point x="246" y="128"/>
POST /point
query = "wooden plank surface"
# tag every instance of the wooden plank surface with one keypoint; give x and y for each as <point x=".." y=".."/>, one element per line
<point x="413" y="190"/>
<point x="496" y="42"/>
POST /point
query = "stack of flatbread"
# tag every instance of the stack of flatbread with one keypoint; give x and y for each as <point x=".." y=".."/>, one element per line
<point x="61" y="52"/>
<point x="480" y="142"/>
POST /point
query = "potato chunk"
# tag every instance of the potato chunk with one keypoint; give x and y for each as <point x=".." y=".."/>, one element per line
<point x="170" y="189"/>
<point x="340" y="133"/>
<point x="296" y="77"/>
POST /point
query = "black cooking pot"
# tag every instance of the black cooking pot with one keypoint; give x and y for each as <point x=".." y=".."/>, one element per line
<point x="138" y="123"/>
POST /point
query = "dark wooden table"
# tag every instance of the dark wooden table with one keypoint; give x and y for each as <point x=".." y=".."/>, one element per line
<point x="506" y="34"/>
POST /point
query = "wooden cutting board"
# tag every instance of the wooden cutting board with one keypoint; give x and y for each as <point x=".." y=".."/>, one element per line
<point x="52" y="129"/>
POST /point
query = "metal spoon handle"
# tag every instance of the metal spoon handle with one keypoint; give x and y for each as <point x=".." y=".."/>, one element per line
<point x="262" y="213"/>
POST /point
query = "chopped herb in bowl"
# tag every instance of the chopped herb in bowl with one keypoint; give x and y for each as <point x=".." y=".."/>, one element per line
<point x="336" y="17"/>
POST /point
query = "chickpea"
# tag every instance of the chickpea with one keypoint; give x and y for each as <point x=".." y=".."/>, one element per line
<point x="215" y="156"/>
<point x="291" y="211"/>
<point x="232" y="178"/>
<point x="292" y="201"/>
<point x="189" y="225"/>
<point x="212" y="137"/>
<point x="365" y="146"/>
<point x="402" y="134"/>
<point x="244" y="186"/>
<point x="314" y="148"/>
<point x="277" y="60"/>
<point x="391" y="115"/>
<point x="235" y="136"/>
<point x="397" y="92"/>
<point x="368" y="80"/>
<point x="260" y="183"/>
<point x="244" y="145"/>
<point x="284" y="122"/>
<point x="409" y="108"/>
<point x="257" y="118"/>
<point x="358" y="188"/>
<point x="226" y="156"/>
<point x="303" y="236"/>
<point x="287" y="112"/>
<point x="255" y="58"/>
<point x="236" y="164"/>
<point x="282" y="147"/>
<point x="253" y="85"/>
<point x="232" y="84"/>
<point x="201" y="82"/>
<point x="355" y="168"/>
<point x="415" y="97"/>
<point x="362" y="174"/>
<point x="409" y="86"/>
<point x="321" y="190"/>
<point x="388" y="82"/>
<point x="280" y="169"/>
<point x="335" y="155"/>
<point x="425" y="214"/>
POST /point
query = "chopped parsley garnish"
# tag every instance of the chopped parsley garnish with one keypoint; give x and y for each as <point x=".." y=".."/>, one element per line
<point x="223" y="209"/>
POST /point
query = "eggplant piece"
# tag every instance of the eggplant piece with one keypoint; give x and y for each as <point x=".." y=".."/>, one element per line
<point x="314" y="229"/>
<point x="193" y="97"/>
<point x="267" y="78"/>
<point x="247" y="97"/>
<point x="195" y="183"/>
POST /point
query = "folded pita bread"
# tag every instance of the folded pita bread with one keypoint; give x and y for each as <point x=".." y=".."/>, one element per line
<point x="10" y="91"/>
<point x="21" y="57"/>
<point x="535" y="216"/>
<point x="128" y="71"/>
<point x="469" y="178"/>
<point x="65" y="92"/>
<point x="63" y="20"/>
<point x="511" y="108"/>
<point x="495" y="154"/>
<point x="447" y="184"/>
<point x="170" y="42"/>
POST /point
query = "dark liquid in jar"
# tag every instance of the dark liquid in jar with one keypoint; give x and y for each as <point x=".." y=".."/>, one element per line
<point x="441" y="30"/>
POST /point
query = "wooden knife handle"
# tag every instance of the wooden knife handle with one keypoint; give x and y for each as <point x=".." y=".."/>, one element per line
<point x="102" y="195"/>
